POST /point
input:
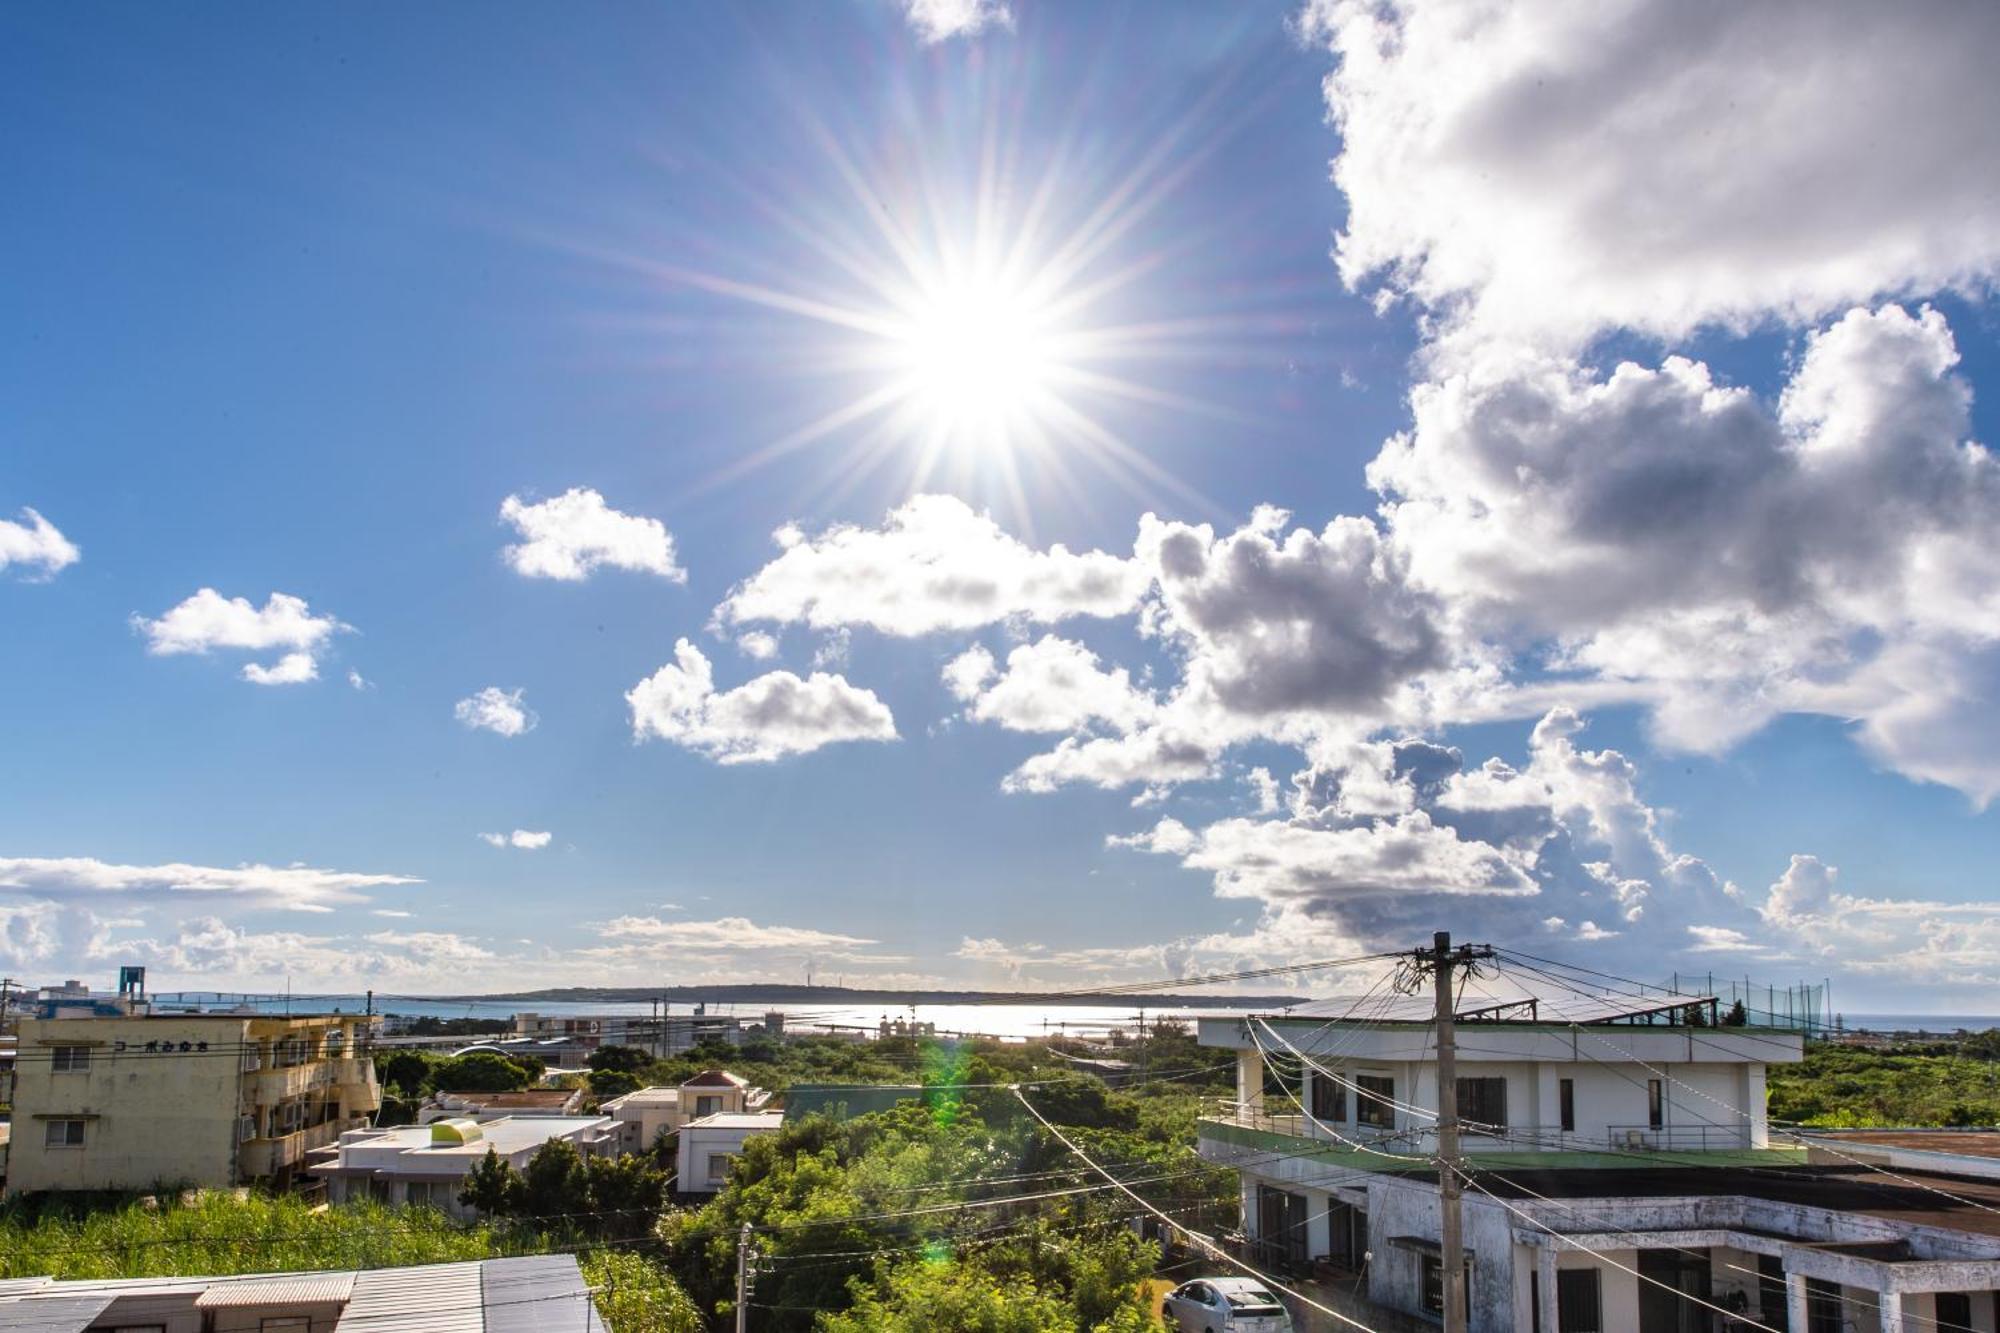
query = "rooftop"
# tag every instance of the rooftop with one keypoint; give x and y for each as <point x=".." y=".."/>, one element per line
<point x="505" y="1136"/>
<point x="740" y="1120"/>
<point x="544" y="1293"/>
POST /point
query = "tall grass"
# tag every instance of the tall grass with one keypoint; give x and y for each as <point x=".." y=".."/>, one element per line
<point x="212" y="1233"/>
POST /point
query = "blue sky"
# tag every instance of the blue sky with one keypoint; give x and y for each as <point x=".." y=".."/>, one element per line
<point x="298" y="299"/>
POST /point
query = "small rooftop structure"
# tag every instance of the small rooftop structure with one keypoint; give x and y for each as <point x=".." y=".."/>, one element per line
<point x="491" y="1105"/>
<point x="543" y="1293"/>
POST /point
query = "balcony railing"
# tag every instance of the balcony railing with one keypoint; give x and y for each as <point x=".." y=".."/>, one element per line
<point x="1416" y="1133"/>
<point x="268" y="1087"/>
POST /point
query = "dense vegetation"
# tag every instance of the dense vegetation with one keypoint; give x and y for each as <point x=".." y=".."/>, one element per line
<point x="1846" y="1087"/>
<point x="876" y="1223"/>
<point x="817" y="1194"/>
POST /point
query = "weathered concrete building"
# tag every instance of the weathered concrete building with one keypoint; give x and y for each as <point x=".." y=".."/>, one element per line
<point x="134" y="1101"/>
<point x="1620" y="1170"/>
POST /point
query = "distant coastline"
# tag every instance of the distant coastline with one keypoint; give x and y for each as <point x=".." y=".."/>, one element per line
<point x="796" y="994"/>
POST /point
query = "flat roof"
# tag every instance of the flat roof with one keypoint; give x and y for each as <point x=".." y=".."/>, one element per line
<point x="508" y="1134"/>
<point x="1963" y="1142"/>
<point x="1914" y="1198"/>
<point x="739" y="1120"/>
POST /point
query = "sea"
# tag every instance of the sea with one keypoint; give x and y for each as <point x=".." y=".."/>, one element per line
<point x="1013" y="1021"/>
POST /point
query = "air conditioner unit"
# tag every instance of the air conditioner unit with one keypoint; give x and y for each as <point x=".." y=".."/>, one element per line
<point x="1635" y="1138"/>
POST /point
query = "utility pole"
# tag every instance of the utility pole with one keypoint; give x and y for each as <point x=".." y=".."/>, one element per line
<point x="743" y="1280"/>
<point x="1440" y="961"/>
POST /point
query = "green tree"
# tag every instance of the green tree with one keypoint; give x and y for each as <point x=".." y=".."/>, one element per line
<point x="409" y="1071"/>
<point x="608" y="1083"/>
<point x="479" y="1071"/>
<point x="623" y="1059"/>
<point x="556" y="1183"/>
<point x="493" y="1187"/>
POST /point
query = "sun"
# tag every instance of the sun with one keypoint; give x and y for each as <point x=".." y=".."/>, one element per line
<point x="977" y="359"/>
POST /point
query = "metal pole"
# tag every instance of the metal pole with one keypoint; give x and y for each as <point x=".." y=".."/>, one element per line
<point x="1451" y="1227"/>
<point x="743" y="1279"/>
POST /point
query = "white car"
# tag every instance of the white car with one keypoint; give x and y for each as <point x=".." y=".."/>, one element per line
<point x="1225" y="1305"/>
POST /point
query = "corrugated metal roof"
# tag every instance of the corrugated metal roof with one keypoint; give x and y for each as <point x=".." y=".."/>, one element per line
<point x="53" y="1314"/>
<point x="423" y="1298"/>
<point x="542" y="1293"/>
<point x="286" y="1290"/>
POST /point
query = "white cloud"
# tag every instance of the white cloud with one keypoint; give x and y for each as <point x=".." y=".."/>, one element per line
<point x="941" y="20"/>
<point x="1690" y="548"/>
<point x="1283" y="622"/>
<point x="757" y="645"/>
<point x="1549" y="171"/>
<point x="28" y="932"/>
<point x="1050" y="685"/>
<point x="291" y="669"/>
<point x="499" y="711"/>
<point x="209" y="947"/>
<point x="358" y="681"/>
<point x="935" y="564"/>
<point x="208" y="621"/>
<point x="766" y="719"/>
<point x="727" y="935"/>
<point x="575" y="534"/>
<point x="521" y="839"/>
<point x="33" y="544"/>
<point x="300" y="887"/>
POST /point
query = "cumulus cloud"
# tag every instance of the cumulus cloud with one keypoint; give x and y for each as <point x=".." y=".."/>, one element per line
<point x="1720" y="559"/>
<point x="32" y="545"/>
<point x="575" y="534"/>
<point x="639" y="940"/>
<point x="1550" y="171"/>
<point x="499" y="711"/>
<point x="1052" y="684"/>
<point x="210" y="947"/>
<point x="520" y="839"/>
<point x="1277" y="622"/>
<point x="28" y="932"/>
<point x="766" y="719"/>
<point x="757" y="645"/>
<point x="1382" y="839"/>
<point x="209" y="621"/>
<point x="935" y="564"/>
<point x="299" y="887"/>
<point x="941" y="20"/>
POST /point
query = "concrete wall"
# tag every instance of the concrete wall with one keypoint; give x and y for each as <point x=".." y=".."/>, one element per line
<point x="152" y="1117"/>
<point x="164" y="1099"/>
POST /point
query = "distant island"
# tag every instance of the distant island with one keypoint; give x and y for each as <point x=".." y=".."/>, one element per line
<point x="778" y="993"/>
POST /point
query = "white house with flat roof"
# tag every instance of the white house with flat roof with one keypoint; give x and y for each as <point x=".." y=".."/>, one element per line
<point x="427" y="1164"/>
<point x="710" y="1144"/>
<point x="1621" y="1175"/>
<point x="646" y="1113"/>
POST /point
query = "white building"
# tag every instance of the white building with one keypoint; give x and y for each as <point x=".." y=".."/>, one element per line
<point x="427" y="1164"/>
<point x="645" y="1114"/>
<point x="1623" y="1176"/>
<point x="710" y="1144"/>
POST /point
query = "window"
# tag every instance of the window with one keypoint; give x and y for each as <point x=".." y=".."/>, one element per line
<point x="1579" y="1303"/>
<point x="1772" y="1303"/>
<point x="1374" y="1101"/>
<point x="1823" y="1312"/>
<point x="1433" y="1287"/>
<point x="71" y="1059"/>
<point x="707" y="1106"/>
<point x="718" y="1168"/>
<point x="1329" y="1098"/>
<point x="63" y="1134"/>
<point x="1656" y="1104"/>
<point x="1566" y="1095"/>
<point x="1482" y="1101"/>
<point x="1954" y="1312"/>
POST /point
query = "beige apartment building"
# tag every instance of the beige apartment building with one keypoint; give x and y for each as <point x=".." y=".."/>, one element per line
<point x="135" y="1101"/>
